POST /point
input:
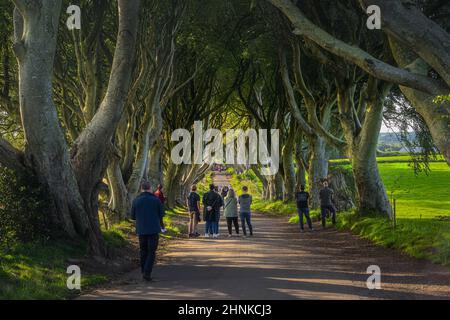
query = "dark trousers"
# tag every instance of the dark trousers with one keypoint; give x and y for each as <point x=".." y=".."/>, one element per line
<point x="245" y="217"/>
<point x="230" y="222"/>
<point x="148" y="245"/>
<point x="301" y="212"/>
<point x="324" y="210"/>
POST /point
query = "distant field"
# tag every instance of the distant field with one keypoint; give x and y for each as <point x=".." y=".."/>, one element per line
<point x="404" y="158"/>
<point x="425" y="196"/>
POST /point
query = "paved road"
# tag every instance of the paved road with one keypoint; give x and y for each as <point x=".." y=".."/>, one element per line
<point x="280" y="263"/>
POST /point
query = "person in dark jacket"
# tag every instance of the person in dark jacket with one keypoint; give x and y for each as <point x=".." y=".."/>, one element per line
<point x="302" y="198"/>
<point x="245" y="202"/>
<point x="212" y="201"/>
<point x="326" y="203"/>
<point x="148" y="212"/>
<point x="193" y="203"/>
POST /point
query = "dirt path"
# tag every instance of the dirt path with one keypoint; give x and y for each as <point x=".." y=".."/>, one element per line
<point x="280" y="263"/>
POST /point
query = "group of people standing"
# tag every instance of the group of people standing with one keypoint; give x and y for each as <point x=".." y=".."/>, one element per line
<point x="326" y="196"/>
<point x="148" y="211"/>
<point x="213" y="201"/>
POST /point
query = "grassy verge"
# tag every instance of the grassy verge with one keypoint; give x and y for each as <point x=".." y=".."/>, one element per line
<point x="38" y="270"/>
<point x="173" y="227"/>
<point x="420" y="238"/>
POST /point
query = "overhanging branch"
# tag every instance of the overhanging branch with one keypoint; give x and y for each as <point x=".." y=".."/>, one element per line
<point x="379" y="69"/>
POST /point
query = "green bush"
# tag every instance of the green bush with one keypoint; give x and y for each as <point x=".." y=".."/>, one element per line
<point x="23" y="208"/>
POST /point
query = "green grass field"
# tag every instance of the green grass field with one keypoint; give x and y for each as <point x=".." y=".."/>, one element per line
<point x="422" y="209"/>
<point x="418" y="196"/>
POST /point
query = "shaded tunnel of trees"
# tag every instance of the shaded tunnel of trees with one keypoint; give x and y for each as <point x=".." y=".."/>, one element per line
<point x="89" y="113"/>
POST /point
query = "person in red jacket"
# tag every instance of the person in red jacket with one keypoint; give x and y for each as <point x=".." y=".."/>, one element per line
<point x="159" y="194"/>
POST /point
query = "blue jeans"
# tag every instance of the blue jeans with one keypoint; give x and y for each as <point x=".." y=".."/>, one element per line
<point x="246" y="218"/>
<point x="216" y="224"/>
<point x="301" y="212"/>
<point x="209" y="227"/>
<point x="324" y="210"/>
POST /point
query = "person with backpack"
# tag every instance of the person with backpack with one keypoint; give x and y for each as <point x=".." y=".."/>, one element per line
<point x="193" y="204"/>
<point x="230" y="209"/>
<point x="302" y="198"/>
<point x="212" y="201"/>
<point x="326" y="203"/>
<point x="245" y="202"/>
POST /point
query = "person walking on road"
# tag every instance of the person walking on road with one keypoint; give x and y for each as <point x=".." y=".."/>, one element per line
<point x="326" y="203"/>
<point x="302" y="198"/>
<point x="193" y="203"/>
<point x="245" y="202"/>
<point x="230" y="209"/>
<point x="212" y="202"/>
<point x="147" y="210"/>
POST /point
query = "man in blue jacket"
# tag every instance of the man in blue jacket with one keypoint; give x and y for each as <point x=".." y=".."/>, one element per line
<point x="148" y="212"/>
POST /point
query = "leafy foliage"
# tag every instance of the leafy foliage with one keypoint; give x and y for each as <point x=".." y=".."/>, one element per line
<point x="23" y="208"/>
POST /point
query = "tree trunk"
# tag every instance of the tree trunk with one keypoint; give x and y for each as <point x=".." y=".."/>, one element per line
<point x="155" y="168"/>
<point x="288" y="165"/>
<point x="318" y="169"/>
<point x="90" y="152"/>
<point x="120" y="203"/>
<point x="46" y="151"/>
<point x="10" y="157"/>
<point x="279" y="187"/>
<point x="173" y="184"/>
<point x="371" y="194"/>
<point x="300" y="165"/>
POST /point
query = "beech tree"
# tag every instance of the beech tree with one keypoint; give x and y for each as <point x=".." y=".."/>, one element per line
<point x="414" y="76"/>
<point x="72" y="177"/>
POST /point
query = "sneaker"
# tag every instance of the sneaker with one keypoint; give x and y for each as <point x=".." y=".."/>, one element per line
<point x="215" y="236"/>
<point x="229" y="236"/>
<point x="206" y="235"/>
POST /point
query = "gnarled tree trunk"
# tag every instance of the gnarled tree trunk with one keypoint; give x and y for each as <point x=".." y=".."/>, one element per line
<point x="46" y="151"/>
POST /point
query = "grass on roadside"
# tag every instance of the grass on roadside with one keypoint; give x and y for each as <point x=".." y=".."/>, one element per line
<point x="420" y="238"/>
<point x="37" y="270"/>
